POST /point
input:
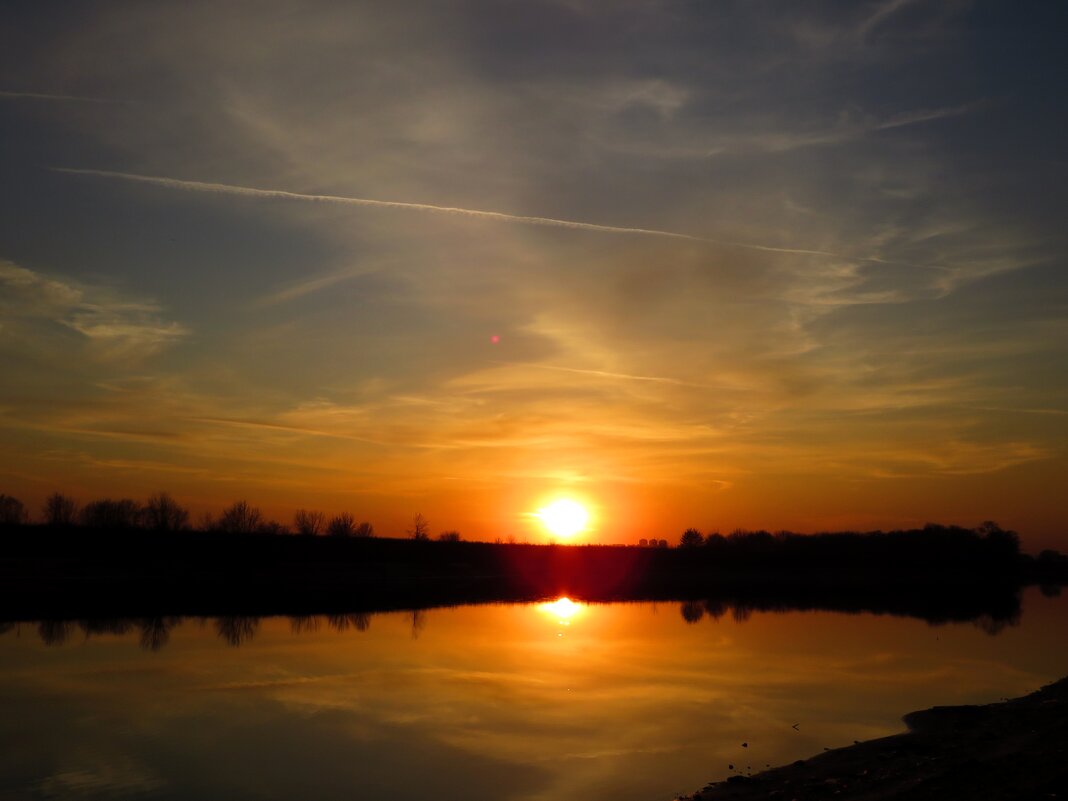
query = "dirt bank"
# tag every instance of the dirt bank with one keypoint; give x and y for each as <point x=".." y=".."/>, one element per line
<point x="1016" y="750"/>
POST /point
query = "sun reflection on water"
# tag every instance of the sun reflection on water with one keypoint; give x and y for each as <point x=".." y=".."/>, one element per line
<point x="563" y="609"/>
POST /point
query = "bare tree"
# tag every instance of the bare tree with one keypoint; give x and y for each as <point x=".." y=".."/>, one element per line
<point x="12" y="512"/>
<point x="449" y="536"/>
<point x="59" y="510"/>
<point x="162" y="513"/>
<point x="308" y="523"/>
<point x="341" y="525"/>
<point x="420" y="529"/>
<point x="365" y="529"/>
<point x="240" y="518"/>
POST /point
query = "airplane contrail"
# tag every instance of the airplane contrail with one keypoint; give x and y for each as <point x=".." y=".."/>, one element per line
<point x="46" y="96"/>
<point x="248" y="191"/>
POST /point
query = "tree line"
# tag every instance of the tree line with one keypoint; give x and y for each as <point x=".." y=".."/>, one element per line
<point x="161" y="512"/>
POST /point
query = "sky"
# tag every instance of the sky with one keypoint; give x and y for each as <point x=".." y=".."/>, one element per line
<point x="713" y="264"/>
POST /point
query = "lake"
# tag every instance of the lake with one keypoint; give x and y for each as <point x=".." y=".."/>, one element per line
<point x="546" y="702"/>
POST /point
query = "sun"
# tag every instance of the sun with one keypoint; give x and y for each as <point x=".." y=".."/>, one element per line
<point x="563" y="518"/>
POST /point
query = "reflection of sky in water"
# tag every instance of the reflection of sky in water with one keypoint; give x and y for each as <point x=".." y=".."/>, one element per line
<point x="555" y="701"/>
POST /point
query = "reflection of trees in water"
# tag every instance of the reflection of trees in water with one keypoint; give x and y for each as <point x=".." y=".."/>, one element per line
<point x="692" y="611"/>
<point x="360" y="621"/>
<point x="715" y="608"/>
<point x="54" y="632"/>
<point x="741" y="613"/>
<point x="995" y="625"/>
<point x="236" y="629"/>
<point x="156" y="631"/>
<point x="418" y="622"/>
<point x="299" y="624"/>
<point x="107" y="625"/>
<point x="990" y="622"/>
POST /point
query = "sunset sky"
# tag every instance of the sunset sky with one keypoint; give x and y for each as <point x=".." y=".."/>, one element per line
<point x="716" y="264"/>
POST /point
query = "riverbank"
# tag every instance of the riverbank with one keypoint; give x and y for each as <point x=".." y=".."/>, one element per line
<point x="1015" y="749"/>
<point x="79" y="573"/>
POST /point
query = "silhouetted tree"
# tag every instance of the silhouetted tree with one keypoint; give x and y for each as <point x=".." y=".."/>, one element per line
<point x="341" y="525"/>
<point x="240" y="518"/>
<point x="12" y="512"/>
<point x="308" y="523"/>
<point x="59" y="510"/>
<point x="420" y="529"/>
<point x="660" y="543"/>
<point x="365" y="529"/>
<point x="110" y="514"/>
<point x="643" y="543"/>
<point x="691" y="538"/>
<point x="162" y="513"/>
<point x="1004" y="544"/>
<point x="449" y="536"/>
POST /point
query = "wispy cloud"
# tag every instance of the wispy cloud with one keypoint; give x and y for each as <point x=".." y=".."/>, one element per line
<point x="116" y="328"/>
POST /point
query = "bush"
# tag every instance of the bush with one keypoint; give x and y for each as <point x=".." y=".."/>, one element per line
<point x="449" y="536"/>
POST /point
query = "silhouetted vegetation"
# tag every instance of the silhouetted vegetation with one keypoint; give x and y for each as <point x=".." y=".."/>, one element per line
<point x="308" y="523"/>
<point x="162" y="513"/>
<point x="241" y="563"/>
<point x="59" y="510"/>
<point x="239" y="518"/>
<point x="691" y="538"/>
<point x="420" y="529"/>
<point x="341" y="525"/>
<point x="12" y="512"/>
<point x="111" y="515"/>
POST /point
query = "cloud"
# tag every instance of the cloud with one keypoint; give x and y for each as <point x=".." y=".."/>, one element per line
<point x="114" y="328"/>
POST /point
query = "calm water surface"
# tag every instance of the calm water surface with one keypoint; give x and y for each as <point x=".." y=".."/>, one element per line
<point x="553" y="701"/>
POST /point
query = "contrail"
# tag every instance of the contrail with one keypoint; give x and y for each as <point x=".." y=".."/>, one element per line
<point x="575" y="225"/>
<point x="45" y="96"/>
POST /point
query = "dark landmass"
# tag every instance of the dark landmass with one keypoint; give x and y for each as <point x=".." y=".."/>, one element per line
<point x="938" y="574"/>
<point x="1013" y="750"/>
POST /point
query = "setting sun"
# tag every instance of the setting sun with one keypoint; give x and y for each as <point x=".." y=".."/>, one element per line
<point x="563" y="518"/>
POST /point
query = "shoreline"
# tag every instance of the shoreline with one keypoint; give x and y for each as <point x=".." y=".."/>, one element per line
<point x="1015" y="749"/>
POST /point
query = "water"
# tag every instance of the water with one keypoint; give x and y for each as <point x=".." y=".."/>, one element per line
<point x="554" y="701"/>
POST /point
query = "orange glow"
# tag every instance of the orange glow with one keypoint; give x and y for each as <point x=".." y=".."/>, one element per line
<point x="564" y="518"/>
